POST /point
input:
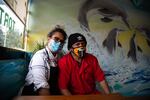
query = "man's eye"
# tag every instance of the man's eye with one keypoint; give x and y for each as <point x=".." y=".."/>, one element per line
<point x="77" y="44"/>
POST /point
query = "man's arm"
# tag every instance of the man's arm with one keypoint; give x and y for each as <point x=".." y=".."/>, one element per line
<point x="105" y="87"/>
<point x="64" y="77"/>
<point x="65" y="92"/>
<point x="100" y="77"/>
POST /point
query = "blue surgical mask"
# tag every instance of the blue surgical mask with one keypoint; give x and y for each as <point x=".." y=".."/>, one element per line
<point x="54" y="46"/>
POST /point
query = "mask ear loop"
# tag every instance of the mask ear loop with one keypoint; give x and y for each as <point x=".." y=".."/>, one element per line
<point x="72" y="51"/>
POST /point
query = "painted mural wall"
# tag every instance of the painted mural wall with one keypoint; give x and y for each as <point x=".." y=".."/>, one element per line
<point x="117" y="31"/>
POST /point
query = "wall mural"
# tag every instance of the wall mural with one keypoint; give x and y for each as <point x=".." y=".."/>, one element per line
<point x="117" y="31"/>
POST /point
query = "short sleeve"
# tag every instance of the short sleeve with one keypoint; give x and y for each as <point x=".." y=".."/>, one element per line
<point x="63" y="74"/>
<point x="98" y="72"/>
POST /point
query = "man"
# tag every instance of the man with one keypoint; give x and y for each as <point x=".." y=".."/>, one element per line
<point x="79" y="70"/>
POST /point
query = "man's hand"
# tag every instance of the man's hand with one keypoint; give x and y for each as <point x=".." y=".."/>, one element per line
<point x="65" y="92"/>
<point x="44" y="91"/>
<point x="105" y="87"/>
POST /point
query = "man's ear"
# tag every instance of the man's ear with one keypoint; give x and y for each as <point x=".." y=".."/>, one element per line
<point x="85" y="49"/>
<point x="71" y="49"/>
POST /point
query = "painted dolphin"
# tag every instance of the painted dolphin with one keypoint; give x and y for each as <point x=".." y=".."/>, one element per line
<point x="132" y="51"/>
<point x="110" y="41"/>
<point x="146" y="32"/>
<point x="106" y="8"/>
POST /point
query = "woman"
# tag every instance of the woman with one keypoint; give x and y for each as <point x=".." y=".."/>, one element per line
<point x="43" y="71"/>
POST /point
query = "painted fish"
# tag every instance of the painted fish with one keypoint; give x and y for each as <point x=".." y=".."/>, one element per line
<point x="146" y="32"/>
<point x="110" y="41"/>
<point x="132" y="51"/>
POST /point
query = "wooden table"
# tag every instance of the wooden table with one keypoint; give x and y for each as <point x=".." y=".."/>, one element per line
<point x="81" y="97"/>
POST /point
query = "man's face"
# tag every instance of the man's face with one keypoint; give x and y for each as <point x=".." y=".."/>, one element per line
<point x="79" y="49"/>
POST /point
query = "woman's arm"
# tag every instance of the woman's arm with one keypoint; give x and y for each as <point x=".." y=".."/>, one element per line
<point x="38" y="73"/>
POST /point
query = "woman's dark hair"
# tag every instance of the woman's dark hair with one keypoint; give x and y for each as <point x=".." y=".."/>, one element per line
<point x="57" y="29"/>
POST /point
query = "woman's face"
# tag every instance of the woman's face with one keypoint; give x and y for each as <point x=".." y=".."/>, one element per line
<point x="58" y="37"/>
<point x="56" y="42"/>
